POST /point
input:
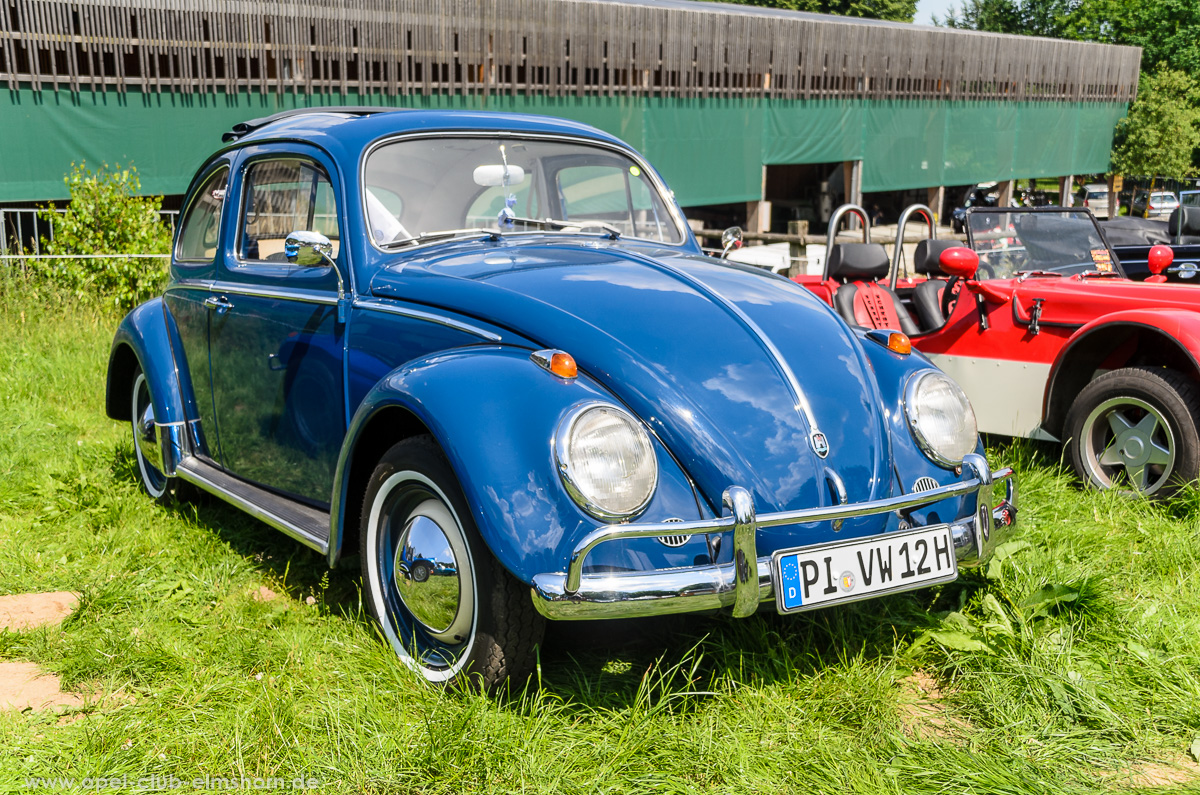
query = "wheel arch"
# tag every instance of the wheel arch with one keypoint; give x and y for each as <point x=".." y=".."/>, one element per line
<point x="144" y="338"/>
<point x="390" y="424"/>
<point x="1166" y="339"/>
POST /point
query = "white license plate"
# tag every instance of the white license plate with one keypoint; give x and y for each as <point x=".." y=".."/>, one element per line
<point x="846" y="571"/>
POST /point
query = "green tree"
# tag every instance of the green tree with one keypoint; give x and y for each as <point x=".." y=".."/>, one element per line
<point x="894" y="10"/>
<point x="1024" y="17"/>
<point x="1162" y="129"/>
<point x="106" y="216"/>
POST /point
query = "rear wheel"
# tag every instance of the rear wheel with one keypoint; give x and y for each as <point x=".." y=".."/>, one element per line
<point x="450" y="610"/>
<point x="1135" y="429"/>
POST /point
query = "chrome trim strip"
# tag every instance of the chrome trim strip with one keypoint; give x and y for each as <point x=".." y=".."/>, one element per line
<point x="417" y="314"/>
<point x="307" y="296"/>
<point x="984" y="478"/>
<point x="255" y="510"/>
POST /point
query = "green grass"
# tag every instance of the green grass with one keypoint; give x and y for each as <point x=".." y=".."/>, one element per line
<point x="1076" y="655"/>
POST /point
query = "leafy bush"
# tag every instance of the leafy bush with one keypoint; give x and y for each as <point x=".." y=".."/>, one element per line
<point x="106" y="216"/>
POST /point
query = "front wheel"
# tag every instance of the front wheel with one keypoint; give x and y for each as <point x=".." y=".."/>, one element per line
<point x="450" y="610"/>
<point x="1135" y="428"/>
<point x="146" y="444"/>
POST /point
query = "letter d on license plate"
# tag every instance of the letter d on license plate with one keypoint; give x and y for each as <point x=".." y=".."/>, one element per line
<point x="861" y="568"/>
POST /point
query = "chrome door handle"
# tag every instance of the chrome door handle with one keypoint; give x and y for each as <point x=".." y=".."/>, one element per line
<point x="219" y="303"/>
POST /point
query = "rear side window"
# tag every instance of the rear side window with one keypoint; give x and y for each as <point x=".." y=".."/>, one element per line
<point x="281" y="197"/>
<point x="200" y="229"/>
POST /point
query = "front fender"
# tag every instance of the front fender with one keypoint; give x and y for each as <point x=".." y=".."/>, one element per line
<point x="144" y="337"/>
<point x="494" y="413"/>
<point x="1177" y="338"/>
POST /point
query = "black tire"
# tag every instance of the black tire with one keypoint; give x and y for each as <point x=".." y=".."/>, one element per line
<point x="154" y="482"/>
<point x="420" y="572"/>
<point x="1135" y="428"/>
<point x="482" y="633"/>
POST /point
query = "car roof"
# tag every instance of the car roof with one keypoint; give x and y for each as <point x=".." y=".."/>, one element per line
<point x="351" y="128"/>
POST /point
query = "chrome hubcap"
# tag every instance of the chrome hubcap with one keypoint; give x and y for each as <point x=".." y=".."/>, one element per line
<point x="145" y="439"/>
<point x="426" y="574"/>
<point x="1127" y="439"/>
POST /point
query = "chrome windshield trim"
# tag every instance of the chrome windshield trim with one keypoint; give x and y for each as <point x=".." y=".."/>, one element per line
<point x="664" y="192"/>
<point x="417" y="314"/>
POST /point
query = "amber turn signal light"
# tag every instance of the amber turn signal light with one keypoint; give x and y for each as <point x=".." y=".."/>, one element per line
<point x="899" y="343"/>
<point x="561" y="363"/>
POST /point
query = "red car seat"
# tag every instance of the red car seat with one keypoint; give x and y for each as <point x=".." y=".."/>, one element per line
<point x="927" y="296"/>
<point x="861" y="299"/>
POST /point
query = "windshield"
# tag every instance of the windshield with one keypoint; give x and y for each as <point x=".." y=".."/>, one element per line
<point x="1056" y="241"/>
<point x="420" y="189"/>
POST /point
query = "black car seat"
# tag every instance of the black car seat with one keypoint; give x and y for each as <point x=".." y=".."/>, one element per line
<point x="1184" y="223"/>
<point x="863" y="300"/>
<point x="927" y="296"/>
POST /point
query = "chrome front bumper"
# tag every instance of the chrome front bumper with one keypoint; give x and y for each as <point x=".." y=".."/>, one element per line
<point x="746" y="581"/>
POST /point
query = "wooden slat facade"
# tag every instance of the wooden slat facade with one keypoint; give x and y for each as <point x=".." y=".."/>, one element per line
<point x="548" y="47"/>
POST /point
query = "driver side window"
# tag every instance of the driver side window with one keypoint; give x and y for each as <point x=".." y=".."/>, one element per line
<point x="281" y="197"/>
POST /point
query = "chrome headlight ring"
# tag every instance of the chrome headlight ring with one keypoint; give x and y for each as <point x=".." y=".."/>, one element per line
<point x="940" y="417"/>
<point x="606" y="461"/>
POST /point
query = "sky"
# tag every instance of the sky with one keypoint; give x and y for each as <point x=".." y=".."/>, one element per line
<point x="927" y="8"/>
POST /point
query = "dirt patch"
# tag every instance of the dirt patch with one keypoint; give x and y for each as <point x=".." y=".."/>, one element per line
<point x="1147" y="775"/>
<point x="922" y="713"/>
<point x="25" y="686"/>
<point x="265" y="594"/>
<point x="23" y="611"/>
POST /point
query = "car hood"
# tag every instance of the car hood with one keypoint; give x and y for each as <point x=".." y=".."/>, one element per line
<point x="730" y="367"/>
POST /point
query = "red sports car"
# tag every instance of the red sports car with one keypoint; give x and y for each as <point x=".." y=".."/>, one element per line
<point x="1049" y="339"/>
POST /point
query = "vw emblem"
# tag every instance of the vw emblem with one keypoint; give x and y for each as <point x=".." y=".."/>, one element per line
<point x="820" y="444"/>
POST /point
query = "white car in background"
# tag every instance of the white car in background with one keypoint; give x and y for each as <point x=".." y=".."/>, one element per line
<point x="1095" y="198"/>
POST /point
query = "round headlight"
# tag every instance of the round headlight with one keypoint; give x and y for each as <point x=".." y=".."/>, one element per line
<point x="941" y="417"/>
<point x="606" y="461"/>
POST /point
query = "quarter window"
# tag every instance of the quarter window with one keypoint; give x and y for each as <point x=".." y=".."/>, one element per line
<point x="281" y="197"/>
<point x="200" y="229"/>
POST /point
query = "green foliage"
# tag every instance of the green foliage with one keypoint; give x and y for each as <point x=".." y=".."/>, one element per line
<point x="106" y="216"/>
<point x="1162" y="129"/>
<point x="1023" y="17"/>
<point x="894" y="10"/>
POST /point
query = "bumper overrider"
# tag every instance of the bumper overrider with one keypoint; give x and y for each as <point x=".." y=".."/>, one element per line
<point x="748" y="579"/>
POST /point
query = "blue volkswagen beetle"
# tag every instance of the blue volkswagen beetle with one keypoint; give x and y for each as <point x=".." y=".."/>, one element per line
<point x="486" y="353"/>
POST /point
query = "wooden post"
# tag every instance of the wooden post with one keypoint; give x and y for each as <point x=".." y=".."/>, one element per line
<point x="1065" y="186"/>
<point x="1004" y="193"/>
<point x="852" y="183"/>
<point x="758" y="216"/>
<point x="935" y="198"/>
<point x="796" y="252"/>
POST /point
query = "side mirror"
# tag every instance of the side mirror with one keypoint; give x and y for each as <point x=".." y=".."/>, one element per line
<point x="1160" y="259"/>
<point x="959" y="261"/>
<point x="306" y="248"/>
<point x="731" y="240"/>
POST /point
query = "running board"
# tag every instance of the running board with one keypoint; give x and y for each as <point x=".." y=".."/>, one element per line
<point x="309" y="526"/>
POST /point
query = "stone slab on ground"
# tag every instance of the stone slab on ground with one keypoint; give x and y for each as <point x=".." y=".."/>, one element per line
<point x="26" y="686"/>
<point x="23" y="611"/>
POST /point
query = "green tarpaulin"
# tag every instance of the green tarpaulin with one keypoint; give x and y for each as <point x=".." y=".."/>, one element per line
<point x="710" y="151"/>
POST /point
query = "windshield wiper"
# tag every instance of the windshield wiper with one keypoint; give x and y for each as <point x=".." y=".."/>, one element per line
<point x="555" y="224"/>
<point x="425" y="237"/>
